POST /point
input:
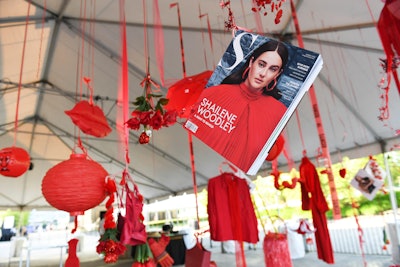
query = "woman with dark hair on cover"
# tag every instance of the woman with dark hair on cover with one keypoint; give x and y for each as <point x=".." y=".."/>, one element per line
<point x="237" y="117"/>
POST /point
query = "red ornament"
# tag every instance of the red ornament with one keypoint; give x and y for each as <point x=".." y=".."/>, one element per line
<point x="75" y="185"/>
<point x="342" y="172"/>
<point x="144" y="138"/>
<point x="14" y="161"/>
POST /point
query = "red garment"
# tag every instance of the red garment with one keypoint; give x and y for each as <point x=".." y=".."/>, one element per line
<point x="72" y="259"/>
<point x="231" y="213"/>
<point x="389" y="30"/>
<point x="235" y="122"/>
<point x="314" y="199"/>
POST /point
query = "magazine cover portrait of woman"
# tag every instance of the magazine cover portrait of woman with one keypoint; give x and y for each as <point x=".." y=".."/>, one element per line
<point x="250" y="96"/>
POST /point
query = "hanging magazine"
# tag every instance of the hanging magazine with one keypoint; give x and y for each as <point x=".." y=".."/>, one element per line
<point x="250" y="97"/>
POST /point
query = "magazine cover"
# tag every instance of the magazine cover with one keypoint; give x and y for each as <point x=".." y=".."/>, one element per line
<point x="249" y="98"/>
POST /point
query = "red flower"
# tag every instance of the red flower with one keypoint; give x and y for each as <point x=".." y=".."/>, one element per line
<point x="169" y="118"/>
<point x="156" y="121"/>
<point x="145" y="117"/>
<point x="111" y="258"/>
<point x="144" y="138"/>
<point x="134" y="122"/>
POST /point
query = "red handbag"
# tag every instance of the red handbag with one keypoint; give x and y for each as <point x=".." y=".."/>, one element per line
<point x="198" y="256"/>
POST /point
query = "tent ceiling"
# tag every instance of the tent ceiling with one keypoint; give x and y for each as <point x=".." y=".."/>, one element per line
<point x="59" y="36"/>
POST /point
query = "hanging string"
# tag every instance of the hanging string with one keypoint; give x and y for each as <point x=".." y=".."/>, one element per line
<point x="159" y="40"/>
<point x="257" y="19"/>
<point x="180" y="38"/>
<point x="209" y="36"/>
<point x="41" y="38"/>
<point x="124" y="89"/>
<point x="202" y="38"/>
<point x="300" y="132"/>
<point x="321" y="132"/>
<point x="20" y="74"/>
<point x="360" y="231"/>
<point x="194" y="178"/>
<point x="192" y="160"/>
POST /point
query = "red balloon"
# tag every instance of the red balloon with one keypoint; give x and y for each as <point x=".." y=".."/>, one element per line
<point x="90" y="119"/>
<point x="184" y="93"/>
<point x="14" y="161"/>
<point x="75" y="185"/>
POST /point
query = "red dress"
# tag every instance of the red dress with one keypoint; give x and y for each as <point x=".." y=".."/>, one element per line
<point x="235" y="122"/>
<point x="230" y="210"/>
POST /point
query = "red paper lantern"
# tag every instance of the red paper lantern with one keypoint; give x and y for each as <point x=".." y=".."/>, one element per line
<point x="14" y="161"/>
<point x="75" y="185"/>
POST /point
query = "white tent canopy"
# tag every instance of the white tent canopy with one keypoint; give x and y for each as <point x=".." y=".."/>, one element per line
<point x="61" y="33"/>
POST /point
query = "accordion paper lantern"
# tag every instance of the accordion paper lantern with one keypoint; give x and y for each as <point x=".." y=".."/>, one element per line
<point x="14" y="161"/>
<point x="75" y="185"/>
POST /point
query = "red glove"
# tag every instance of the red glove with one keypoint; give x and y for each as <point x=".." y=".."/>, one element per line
<point x="158" y="249"/>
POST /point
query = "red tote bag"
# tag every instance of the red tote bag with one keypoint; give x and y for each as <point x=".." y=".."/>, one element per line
<point x="197" y="256"/>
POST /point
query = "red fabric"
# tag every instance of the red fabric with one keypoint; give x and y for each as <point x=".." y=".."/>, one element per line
<point x="158" y="249"/>
<point x="239" y="139"/>
<point x="230" y="210"/>
<point x="185" y="92"/>
<point x="389" y="27"/>
<point x="133" y="230"/>
<point x="389" y="31"/>
<point x="72" y="260"/>
<point x="315" y="200"/>
<point x="197" y="256"/>
<point x="276" y="250"/>
<point x="90" y="119"/>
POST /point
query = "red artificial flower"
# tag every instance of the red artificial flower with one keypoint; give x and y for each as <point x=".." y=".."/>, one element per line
<point x="156" y="121"/>
<point x="110" y="258"/>
<point x="134" y="123"/>
<point x="149" y="112"/>
<point x="145" y="117"/>
<point x="144" y="138"/>
<point x="169" y="118"/>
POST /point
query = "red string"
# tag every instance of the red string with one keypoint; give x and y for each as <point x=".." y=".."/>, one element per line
<point x="180" y="38"/>
<point x="300" y="131"/>
<point x="75" y="225"/>
<point x="194" y="176"/>
<point x="20" y="74"/>
<point x="159" y="40"/>
<point x="202" y="38"/>
<point x="359" y="229"/>
<point x="257" y="19"/>
<point x="321" y="132"/>
<point x="190" y="136"/>
<point x="124" y="90"/>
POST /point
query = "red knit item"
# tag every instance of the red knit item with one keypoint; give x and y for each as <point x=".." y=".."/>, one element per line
<point x="158" y="249"/>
